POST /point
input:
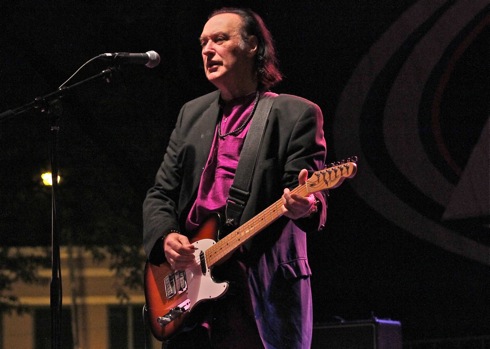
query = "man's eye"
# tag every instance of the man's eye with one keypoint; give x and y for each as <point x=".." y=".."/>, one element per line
<point x="219" y="39"/>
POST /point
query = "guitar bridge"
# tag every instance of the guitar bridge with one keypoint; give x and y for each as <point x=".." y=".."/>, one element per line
<point x="174" y="313"/>
<point x="175" y="283"/>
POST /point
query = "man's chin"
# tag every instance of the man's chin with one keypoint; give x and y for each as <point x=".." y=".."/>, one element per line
<point x="214" y="77"/>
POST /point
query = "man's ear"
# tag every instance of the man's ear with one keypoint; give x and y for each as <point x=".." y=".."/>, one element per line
<point x="253" y="45"/>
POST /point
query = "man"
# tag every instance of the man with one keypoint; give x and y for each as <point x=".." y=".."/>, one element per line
<point x="268" y="304"/>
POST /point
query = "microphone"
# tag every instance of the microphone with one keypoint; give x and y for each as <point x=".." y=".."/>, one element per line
<point x="150" y="59"/>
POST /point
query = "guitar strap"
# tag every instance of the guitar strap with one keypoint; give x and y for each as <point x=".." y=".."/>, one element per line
<point x="240" y="189"/>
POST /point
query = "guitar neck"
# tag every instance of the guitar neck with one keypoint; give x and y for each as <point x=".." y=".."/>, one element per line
<point x="249" y="229"/>
<point x="324" y="179"/>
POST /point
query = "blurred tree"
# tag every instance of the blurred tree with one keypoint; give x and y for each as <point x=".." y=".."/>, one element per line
<point x="18" y="266"/>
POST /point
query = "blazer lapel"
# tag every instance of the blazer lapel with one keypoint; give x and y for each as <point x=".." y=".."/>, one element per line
<point x="207" y="126"/>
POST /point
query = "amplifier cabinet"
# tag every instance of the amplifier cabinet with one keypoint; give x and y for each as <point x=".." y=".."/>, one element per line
<point x="365" y="334"/>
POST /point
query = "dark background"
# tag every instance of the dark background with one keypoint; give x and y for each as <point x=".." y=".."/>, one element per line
<point x="113" y="136"/>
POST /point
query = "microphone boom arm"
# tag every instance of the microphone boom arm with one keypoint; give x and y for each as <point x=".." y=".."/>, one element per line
<point x="42" y="103"/>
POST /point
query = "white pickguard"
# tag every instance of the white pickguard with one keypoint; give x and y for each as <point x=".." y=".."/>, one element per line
<point x="202" y="287"/>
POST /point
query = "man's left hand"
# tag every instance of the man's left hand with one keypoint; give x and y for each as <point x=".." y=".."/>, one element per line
<point x="296" y="206"/>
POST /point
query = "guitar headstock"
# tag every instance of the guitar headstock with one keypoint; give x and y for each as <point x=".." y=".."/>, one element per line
<point x="333" y="175"/>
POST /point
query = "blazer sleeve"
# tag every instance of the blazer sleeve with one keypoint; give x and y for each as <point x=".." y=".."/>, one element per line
<point x="187" y="151"/>
<point x="160" y="204"/>
<point x="307" y="149"/>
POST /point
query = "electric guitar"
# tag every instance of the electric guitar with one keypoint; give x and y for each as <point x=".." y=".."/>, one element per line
<point x="172" y="295"/>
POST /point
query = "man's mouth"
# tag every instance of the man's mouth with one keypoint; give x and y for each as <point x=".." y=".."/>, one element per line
<point x="212" y="65"/>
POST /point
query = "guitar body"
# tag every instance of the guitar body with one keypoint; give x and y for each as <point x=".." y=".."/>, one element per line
<point x="172" y="296"/>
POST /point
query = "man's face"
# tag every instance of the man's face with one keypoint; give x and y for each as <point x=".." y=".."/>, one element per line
<point x="227" y="58"/>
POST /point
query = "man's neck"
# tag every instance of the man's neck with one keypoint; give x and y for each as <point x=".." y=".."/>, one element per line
<point x="227" y="94"/>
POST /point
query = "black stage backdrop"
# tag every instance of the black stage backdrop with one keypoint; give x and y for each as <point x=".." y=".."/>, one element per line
<point x="404" y="85"/>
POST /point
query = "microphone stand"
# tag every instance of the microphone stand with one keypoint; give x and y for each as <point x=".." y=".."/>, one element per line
<point x="50" y="104"/>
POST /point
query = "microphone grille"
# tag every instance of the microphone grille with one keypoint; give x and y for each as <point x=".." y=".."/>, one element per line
<point x="153" y="59"/>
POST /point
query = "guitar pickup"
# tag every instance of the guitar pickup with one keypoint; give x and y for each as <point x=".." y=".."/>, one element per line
<point x="175" y="283"/>
<point x="174" y="313"/>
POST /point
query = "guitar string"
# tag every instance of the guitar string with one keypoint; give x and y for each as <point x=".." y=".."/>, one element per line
<point x="255" y="224"/>
<point x="251" y="224"/>
<point x="271" y="213"/>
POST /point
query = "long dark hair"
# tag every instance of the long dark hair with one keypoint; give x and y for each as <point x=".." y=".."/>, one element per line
<point x="266" y="63"/>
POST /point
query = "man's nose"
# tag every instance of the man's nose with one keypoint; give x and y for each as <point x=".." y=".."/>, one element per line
<point x="208" y="48"/>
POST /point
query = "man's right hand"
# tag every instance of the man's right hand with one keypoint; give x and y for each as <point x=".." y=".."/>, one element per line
<point x="179" y="252"/>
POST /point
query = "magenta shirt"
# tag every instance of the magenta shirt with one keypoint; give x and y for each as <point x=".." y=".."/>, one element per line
<point x="220" y="168"/>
